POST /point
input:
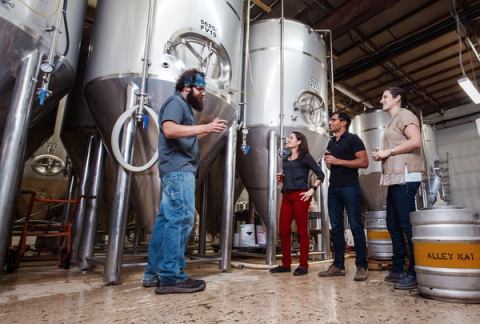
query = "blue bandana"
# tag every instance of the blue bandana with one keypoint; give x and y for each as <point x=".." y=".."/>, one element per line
<point x="198" y="82"/>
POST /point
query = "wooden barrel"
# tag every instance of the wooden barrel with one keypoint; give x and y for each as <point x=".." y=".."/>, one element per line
<point x="447" y="253"/>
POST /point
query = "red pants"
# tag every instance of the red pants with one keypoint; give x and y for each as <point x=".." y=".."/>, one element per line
<point x="294" y="208"/>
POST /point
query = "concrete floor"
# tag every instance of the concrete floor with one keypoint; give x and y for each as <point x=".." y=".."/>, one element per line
<point x="51" y="295"/>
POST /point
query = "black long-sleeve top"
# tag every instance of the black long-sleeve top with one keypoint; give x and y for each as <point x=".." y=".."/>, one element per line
<point x="296" y="173"/>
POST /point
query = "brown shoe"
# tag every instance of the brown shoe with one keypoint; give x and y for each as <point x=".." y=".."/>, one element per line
<point x="361" y="274"/>
<point x="332" y="272"/>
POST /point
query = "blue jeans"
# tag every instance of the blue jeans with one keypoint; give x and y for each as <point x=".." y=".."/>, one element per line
<point x="347" y="198"/>
<point x="400" y="203"/>
<point x="166" y="249"/>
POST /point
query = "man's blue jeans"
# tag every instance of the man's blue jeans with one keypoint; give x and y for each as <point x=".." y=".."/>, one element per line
<point x="166" y="249"/>
<point x="400" y="203"/>
<point x="347" y="198"/>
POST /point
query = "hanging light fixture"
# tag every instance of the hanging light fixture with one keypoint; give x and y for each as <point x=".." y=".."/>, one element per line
<point x="469" y="89"/>
<point x="464" y="81"/>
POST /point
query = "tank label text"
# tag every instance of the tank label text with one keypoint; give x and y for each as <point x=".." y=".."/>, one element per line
<point x="463" y="255"/>
<point x="208" y="28"/>
<point x="314" y="83"/>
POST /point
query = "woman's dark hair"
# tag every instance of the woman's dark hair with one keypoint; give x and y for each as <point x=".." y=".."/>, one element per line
<point x="396" y="91"/>
<point x="303" y="147"/>
<point x="187" y="78"/>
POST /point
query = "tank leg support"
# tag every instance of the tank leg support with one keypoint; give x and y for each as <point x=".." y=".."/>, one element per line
<point x="202" y="227"/>
<point x="227" y="224"/>
<point x="272" y="198"/>
<point x="116" y="235"/>
<point x="80" y="212"/>
<point x="88" y="233"/>
<point x="14" y="141"/>
<point x="325" y="217"/>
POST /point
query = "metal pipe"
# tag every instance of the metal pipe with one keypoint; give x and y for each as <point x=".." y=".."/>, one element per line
<point x="14" y="140"/>
<point x="202" y="228"/>
<point x="90" y="226"/>
<point x="332" y="84"/>
<point x="246" y="51"/>
<point x="138" y="238"/>
<point x="47" y="67"/>
<point x="243" y="91"/>
<point x="72" y="184"/>
<point x="272" y="198"/>
<point x="228" y="199"/>
<point x="428" y="185"/>
<point x="77" y="225"/>
<point x="56" y="32"/>
<point x="282" y="81"/>
<point x="116" y="235"/>
<point x="146" y="61"/>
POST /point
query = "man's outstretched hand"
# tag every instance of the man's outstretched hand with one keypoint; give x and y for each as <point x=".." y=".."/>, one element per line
<point x="216" y="126"/>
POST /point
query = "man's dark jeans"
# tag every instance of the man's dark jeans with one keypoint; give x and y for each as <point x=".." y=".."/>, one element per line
<point x="400" y="203"/>
<point x="347" y="198"/>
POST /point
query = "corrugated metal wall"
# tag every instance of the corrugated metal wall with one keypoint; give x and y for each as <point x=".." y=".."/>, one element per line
<point x="462" y="143"/>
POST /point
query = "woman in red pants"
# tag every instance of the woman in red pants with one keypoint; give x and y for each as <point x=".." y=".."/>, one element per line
<point x="296" y="195"/>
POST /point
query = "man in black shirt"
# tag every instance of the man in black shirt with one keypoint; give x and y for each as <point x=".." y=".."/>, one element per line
<point x="345" y="154"/>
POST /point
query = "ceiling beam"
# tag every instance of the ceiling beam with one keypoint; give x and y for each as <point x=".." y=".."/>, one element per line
<point x="382" y="76"/>
<point x="351" y="14"/>
<point x="407" y="43"/>
<point x="390" y="25"/>
<point x="421" y="69"/>
<point x="262" y="5"/>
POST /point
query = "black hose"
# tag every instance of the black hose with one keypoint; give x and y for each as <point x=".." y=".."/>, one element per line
<point x="67" y="34"/>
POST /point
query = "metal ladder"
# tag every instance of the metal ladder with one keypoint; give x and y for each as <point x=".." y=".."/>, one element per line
<point x="445" y="192"/>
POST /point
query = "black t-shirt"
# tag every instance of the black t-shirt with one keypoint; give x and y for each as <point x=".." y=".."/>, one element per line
<point x="296" y="173"/>
<point x="345" y="148"/>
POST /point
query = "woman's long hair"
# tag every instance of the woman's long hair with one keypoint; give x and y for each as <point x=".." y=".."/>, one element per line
<point x="303" y="147"/>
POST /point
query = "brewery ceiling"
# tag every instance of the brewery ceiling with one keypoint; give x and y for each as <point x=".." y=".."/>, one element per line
<point x="379" y="43"/>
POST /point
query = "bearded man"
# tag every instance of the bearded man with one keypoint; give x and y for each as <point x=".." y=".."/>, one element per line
<point x="177" y="163"/>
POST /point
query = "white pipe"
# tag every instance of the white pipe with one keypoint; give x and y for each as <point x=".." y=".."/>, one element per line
<point x="248" y="265"/>
<point x="117" y="128"/>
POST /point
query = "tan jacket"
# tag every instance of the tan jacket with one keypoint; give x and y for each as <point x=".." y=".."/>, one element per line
<point x="393" y="167"/>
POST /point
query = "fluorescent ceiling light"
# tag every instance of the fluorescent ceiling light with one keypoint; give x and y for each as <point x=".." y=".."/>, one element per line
<point x="470" y="89"/>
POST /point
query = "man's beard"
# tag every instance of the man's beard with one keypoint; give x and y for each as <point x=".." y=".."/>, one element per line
<point x="195" y="102"/>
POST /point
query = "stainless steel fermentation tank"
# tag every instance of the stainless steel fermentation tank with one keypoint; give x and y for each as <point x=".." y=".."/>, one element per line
<point x="34" y="35"/>
<point x="303" y="99"/>
<point x="370" y="126"/>
<point x="184" y="34"/>
<point x="27" y="25"/>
